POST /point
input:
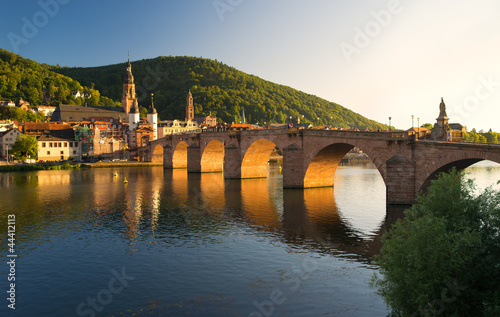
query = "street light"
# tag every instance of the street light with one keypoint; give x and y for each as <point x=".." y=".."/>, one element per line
<point x="390" y="123"/>
<point x="412" y="117"/>
<point x="418" y="127"/>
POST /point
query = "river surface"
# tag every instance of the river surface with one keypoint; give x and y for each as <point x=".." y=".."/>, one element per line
<point x="169" y="243"/>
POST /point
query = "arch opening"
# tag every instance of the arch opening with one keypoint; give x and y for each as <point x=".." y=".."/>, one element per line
<point x="321" y="170"/>
<point x="255" y="161"/>
<point x="179" y="158"/>
<point x="459" y="165"/>
<point x="212" y="159"/>
<point x="157" y="156"/>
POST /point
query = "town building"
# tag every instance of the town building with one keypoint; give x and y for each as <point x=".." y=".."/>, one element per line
<point x="46" y="110"/>
<point x="7" y="139"/>
<point x="38" y="128"/>
<point x="55" y="145"/>
<point x="170" y="127"/>
<point x="102" y="137"/>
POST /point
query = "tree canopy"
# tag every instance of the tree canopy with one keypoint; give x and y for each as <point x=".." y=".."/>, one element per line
<point x="36" y="83"/>
<point x="24" y="147"/>
<point x="444" y="257"/>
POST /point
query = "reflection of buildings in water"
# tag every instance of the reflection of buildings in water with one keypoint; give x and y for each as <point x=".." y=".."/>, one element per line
<point x="156" y="190"/>
<point x="132" y="214"/>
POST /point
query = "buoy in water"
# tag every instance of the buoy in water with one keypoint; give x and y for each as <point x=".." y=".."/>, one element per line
<point x="125" y="180"/>
<point x="115" y="174"/>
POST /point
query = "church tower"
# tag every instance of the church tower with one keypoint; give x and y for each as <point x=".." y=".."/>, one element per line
<point x="128" y="96"/>
<point x="189" y="107"/>
<point x="152" y="118"/>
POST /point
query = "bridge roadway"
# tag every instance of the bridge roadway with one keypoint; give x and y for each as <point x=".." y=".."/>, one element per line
<point x="311" y="157"/>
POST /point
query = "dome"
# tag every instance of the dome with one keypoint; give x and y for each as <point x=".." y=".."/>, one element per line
<point x="152" y="110"/>
<point x="135" y="108"/>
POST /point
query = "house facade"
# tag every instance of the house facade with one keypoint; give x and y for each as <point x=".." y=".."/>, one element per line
<point x="7" y="139"/>
<point x="58" y="145"/>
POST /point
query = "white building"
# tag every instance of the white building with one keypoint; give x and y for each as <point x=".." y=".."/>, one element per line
<point x="58" y="145"/>
<point x="46" y="110"/>
<point x="7" y="139"/>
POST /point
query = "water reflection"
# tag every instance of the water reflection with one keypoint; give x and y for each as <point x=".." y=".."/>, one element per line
<point x="308" y="218"/>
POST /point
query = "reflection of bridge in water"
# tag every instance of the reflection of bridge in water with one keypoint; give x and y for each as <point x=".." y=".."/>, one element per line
<point x="300" y="218"/>
<point x="311" y="157"/>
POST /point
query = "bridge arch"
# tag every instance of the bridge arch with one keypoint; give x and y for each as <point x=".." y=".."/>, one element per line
<point x="424" y="179"/>
<point x="179" y="157"/>
<point x="323" y="163"/>
<point x="157" y="155"/>
<point x="212" y="158"/>
<point x="254" y="162"/>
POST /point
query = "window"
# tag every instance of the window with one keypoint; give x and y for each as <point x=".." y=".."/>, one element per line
<point x="43" y="144"/>
<point x="74" y="151"/>
<point x="70" y="144"/>
<point x="65" y="144"/>
<point x="60" y="144"/>
<point x="50" y="144"/>
<point x="62" y="152"/>
<point x="48" y="152"/>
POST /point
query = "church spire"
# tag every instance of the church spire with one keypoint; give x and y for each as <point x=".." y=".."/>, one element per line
<point x="128" y="95"/>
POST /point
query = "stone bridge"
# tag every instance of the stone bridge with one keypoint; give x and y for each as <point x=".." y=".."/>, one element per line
<point x="311" y="157"/>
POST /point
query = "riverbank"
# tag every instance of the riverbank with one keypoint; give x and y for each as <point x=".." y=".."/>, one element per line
<point x="67" y="165"/>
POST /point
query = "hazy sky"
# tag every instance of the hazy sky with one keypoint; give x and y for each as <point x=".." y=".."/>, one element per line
<point x="379" y="58"/>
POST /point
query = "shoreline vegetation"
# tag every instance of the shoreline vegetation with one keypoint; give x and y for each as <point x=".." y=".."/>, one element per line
<point x="19" y="167"/>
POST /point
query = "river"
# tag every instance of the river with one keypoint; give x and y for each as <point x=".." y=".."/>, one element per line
<point x="169" y="243"/>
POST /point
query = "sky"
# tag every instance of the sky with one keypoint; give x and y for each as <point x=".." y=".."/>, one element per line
<point x="379" y="58"/>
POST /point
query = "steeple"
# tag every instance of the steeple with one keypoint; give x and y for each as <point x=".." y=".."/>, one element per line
<point x="152" y="107"/>
<point x="128" y="95"/>
<point x="189" y="107"/>
<point x="152" y="118"/>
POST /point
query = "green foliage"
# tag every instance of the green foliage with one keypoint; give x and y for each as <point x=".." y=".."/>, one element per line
<point x="490" y="137"/>
<point x="444" y="257"/>
<point x="216" y="88"/>
<point x="428" y="126"/>
<point x="36" y="83"/>
<point x="18" y="114"/>
<point x="25" y="145"/>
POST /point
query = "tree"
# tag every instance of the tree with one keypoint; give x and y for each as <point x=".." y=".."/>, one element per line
<point x="25" y="145"/>
<point x="444" y="257"/>
<point x="428" y="126"/>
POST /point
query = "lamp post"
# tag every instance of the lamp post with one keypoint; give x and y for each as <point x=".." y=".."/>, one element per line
<point x="390" y="123"/>
<point x="412" y="122"/>
<point x="418" y="127"/>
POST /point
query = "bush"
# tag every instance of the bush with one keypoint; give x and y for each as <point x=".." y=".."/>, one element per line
<point x="444" y="257"/>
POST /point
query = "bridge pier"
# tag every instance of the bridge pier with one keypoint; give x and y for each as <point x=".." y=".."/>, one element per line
<point x="168" y="154"/>
<point x="293" y="167"/>
<point x="194" y="159"/>
<point x="232" y="162"/>
<point x="400" y="181"/>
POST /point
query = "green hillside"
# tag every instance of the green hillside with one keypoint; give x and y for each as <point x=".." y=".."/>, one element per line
<point x="23" y="78"/>
<point x="216" y="88"/>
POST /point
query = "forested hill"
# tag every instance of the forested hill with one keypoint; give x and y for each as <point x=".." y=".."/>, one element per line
<point x="23" y="78"/>
<point x="216" y="88"/>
